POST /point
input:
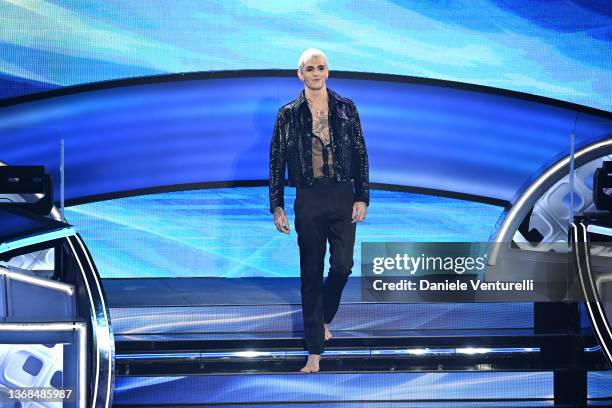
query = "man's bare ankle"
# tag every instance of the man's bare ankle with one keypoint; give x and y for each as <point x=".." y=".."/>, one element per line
<point x="312" y="365"/>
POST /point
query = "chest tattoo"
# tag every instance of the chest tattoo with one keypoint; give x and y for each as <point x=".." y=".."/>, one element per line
<point x="320" y="126"/>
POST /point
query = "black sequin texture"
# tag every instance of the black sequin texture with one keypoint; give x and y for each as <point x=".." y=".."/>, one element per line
<point x="291" y="147"/>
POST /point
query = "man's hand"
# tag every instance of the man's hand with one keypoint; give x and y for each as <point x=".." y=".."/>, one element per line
<point x="360" y="210"/>
<point x="280" y="220"/>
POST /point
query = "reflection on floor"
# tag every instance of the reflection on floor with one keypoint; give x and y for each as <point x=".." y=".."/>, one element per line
<point x="239" y="341"/>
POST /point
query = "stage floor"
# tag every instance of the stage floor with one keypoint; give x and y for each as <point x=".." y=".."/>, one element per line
<point x="212" y="291"/>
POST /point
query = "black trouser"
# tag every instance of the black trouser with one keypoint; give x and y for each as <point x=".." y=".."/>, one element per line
<point x="323" y="213"/>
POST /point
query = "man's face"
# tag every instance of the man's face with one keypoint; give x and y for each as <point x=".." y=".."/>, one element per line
<point x="314" y="73"/>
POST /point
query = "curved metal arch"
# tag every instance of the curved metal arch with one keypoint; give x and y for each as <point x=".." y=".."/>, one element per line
<point x="102" y="386"/>
<point x="546" y="180"/>
<point x="579" y="239"/>
<point x="102" y="334"/>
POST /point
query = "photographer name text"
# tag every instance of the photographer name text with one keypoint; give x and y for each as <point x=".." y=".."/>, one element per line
<point x="452" y="285"/>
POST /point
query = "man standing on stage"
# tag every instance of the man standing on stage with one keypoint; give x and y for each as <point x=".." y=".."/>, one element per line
<point x="318" y="138"/>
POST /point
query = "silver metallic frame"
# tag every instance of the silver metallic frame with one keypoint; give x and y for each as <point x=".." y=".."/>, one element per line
<point x="103" y="362"/>
<point x="532" y="194"/>
<point x="81" y="330"/>
<point x="582" y="257"/>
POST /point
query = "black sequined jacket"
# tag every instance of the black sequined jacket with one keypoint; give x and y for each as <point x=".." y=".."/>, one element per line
<point x="291" y="147"/>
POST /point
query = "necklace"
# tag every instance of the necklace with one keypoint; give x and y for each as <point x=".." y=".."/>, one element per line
<point x="317" y="110"/>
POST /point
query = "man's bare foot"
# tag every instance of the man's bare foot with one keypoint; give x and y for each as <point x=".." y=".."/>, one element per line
<point x="312" y="365"/>
<point x="328" y="334"/>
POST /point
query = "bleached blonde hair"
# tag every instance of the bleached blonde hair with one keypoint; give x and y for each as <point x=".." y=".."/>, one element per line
<point x="308" y="54"/>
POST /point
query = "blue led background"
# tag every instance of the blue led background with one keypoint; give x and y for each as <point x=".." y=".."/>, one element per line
<point x="559" y="49"/>
<point x="133" y="137"/>
<point x="199" y="130"/>
<point x="228" y="232"/>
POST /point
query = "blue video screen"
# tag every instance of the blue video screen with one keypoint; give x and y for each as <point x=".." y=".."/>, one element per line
<point x="557" y="49"/>
<point x="465" y="99"/>
<point x="228" y="232"/>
